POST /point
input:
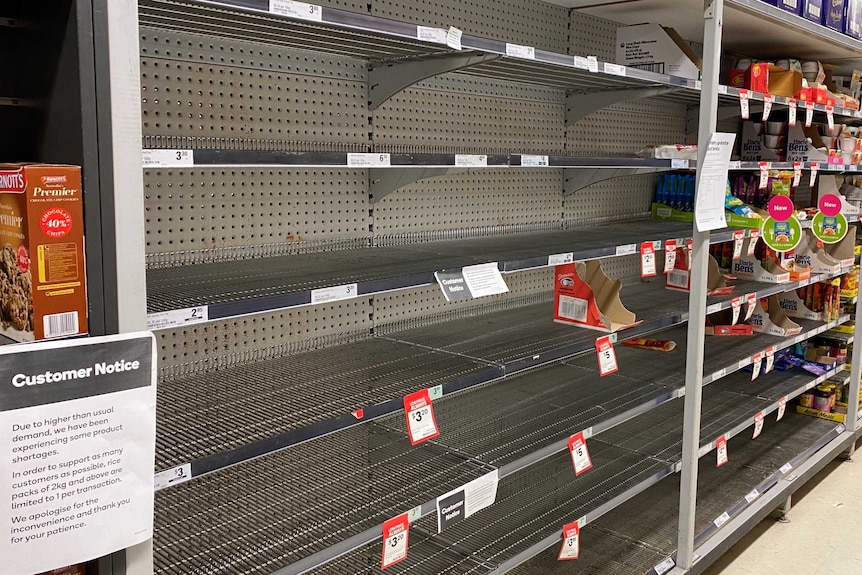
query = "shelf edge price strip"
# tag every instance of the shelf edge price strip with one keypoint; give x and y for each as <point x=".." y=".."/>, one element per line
<point x="580" y="454"/>
<point x="571" y="542"/>
<point x="607" y="356"/>
<point x="395" y="535"/>
<point x="421" y="425"/>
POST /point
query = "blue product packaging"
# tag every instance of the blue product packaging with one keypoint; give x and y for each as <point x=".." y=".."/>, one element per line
<point x="834" y="14"/>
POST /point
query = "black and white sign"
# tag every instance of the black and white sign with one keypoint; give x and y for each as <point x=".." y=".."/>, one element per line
<point x="461" y="503"/>
<point x="77" y="433"/>
<point x="471" y="282"/>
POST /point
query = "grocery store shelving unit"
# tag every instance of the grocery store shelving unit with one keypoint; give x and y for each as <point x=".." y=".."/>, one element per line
<point x="307" y="169"/>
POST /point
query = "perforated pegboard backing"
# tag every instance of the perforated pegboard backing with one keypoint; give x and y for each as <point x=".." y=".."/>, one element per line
<point x="462" y="113"/>
<point x="619" y="198"/>
<point x="592" y="36"/>
<point x="502" y="199"/>
<point x="232" y="213"/>
<point x="626" y="128"/>
<point x="205" y="92"/>
<point x="527" y="22"/>
<point x="240" y="340"/>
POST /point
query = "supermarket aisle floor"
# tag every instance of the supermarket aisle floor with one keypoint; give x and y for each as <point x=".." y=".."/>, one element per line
<point x="822" y="538"/>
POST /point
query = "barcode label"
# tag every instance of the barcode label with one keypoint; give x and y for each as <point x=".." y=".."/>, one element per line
<point x="60" y="324"/>
<point x="658" y="67"/>
<point x="572" y="308"/>
<point x="678" y="278"/>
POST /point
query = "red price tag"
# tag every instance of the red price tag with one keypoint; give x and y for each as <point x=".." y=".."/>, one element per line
<point x="721" y="451"/>
<point x="782" y="405"/>
<point x="756" y="362"/>
<point x="830" y="117"/>
<point x="421" y="425"/>
<point x="648" y="267"/>
<point x="607" y="356"/>
<point x="753" y="236"/>
<point x="738" y="240"/>
<point x="764" y="175"/>
<point x="580" y="454"/>
<point x="395" y="533"/>
<point x="735" y="304"/>
<point x="813" y="178"/>
<point x="767" y="106"/>
<point x="690" y="250"/>
<point x="797" y="173"/>
<point x="669" y="255"/>
<point x="770" y="361"/>
<point x="809" y="114"/>
<point x="758" y="424"/>
<point x="791" y="112"/>
<point x="571" y="542"/>
<point x="743" y="104"/>
<point x="751" y="303"/>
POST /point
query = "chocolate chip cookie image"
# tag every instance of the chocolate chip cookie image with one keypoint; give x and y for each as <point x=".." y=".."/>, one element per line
<point x="16" y="296"/>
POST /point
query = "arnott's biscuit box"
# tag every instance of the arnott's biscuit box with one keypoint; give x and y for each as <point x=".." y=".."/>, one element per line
<point x="42" y="284"/>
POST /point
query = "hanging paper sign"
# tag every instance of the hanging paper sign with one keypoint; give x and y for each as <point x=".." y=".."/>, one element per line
<point x="797" y="173"/>
<point x="830" y="117"/>
<point x="758" y="424"/>
<point x="738" y="240"/>
<point x="809" y="114"/>
<point x="571" y="542"/>
<point x="751" y="305"/>
<point x="735" y="304"/>
<point x="421" y="425"/>
<point x="580" y="454"/>
<point x="829" y="224"/>
<point x="395" y="533"/>
<point x="812" y="178"/>
<point x="607" y="356"/>
<point x="756" y="362"/>
<point x="669" y="256"/>
<point x="648" y="267"/>
<point x="767" y="106"/>
<point x="743" y="104"/>
<point x="770" y="360"/>
<point x="754" y="235"/>
<point x="721" y="451"/>
<point x="791" y="112"/>
<point x="782" y="405"/>
<point x="764" y="176"/>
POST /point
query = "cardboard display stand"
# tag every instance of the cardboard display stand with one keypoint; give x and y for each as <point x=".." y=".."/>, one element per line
<point x="829" y="185"/>
<point x="585" y="296"/>
<point x="842" y="251"/>
<point x="815" y="257"/>
<point x="795" y="307"/>
<point x="775" y="321"/>
<point x="750" y="268"/>
<point x="680" y="278"/>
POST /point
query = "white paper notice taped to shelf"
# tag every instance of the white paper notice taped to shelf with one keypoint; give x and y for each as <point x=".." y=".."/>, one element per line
<point x="709" y="202"/>
<point x="518" y="51"/>
<point x="484" y="280"/>
<point x="751" y="496"/>
<point x="168" y="158"/>
<point x="453" y="38"/>
<point x="560" y="259"/>
<point x="461" y="503"/>
<point x="581" y="63"/>
<point x="171" y="477"/>
<point x="177" y="317"/>
<point x="429" y="34"/>
<point x="335" y="293"/>
<point x="785" y="469"/>
<point x="79" y="421"/>
<point x="677" y="164"/>
<point x="471" y="160"/>
<point x="295" y="10"/>
<point x="368" y="160"/>
<point x="626" y="249"/>
<point x="721" y="519"/>
<point x="592" y="64"/>
<point x="534" y="161"/>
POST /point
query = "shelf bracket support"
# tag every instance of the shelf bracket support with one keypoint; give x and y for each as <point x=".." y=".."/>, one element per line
<point x="580" y="105"/>
<point x="575" y="179"/>
<point x="384" y="181"/>
<point x="385" y="79"/>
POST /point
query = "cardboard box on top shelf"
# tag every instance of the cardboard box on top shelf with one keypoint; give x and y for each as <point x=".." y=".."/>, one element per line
<point x="42" y="282"/>
<point x="586" y="297"/>
<point x="657" y="49"/>
<point x="773" y="320"/>
<point x="783" y="82"/>
<point x="813" y="10"/>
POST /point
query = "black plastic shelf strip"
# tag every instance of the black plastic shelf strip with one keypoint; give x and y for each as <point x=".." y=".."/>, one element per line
<point x="636" y="537"/>
<point x="176" y="295"/>
<point x="655" y="436"/>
